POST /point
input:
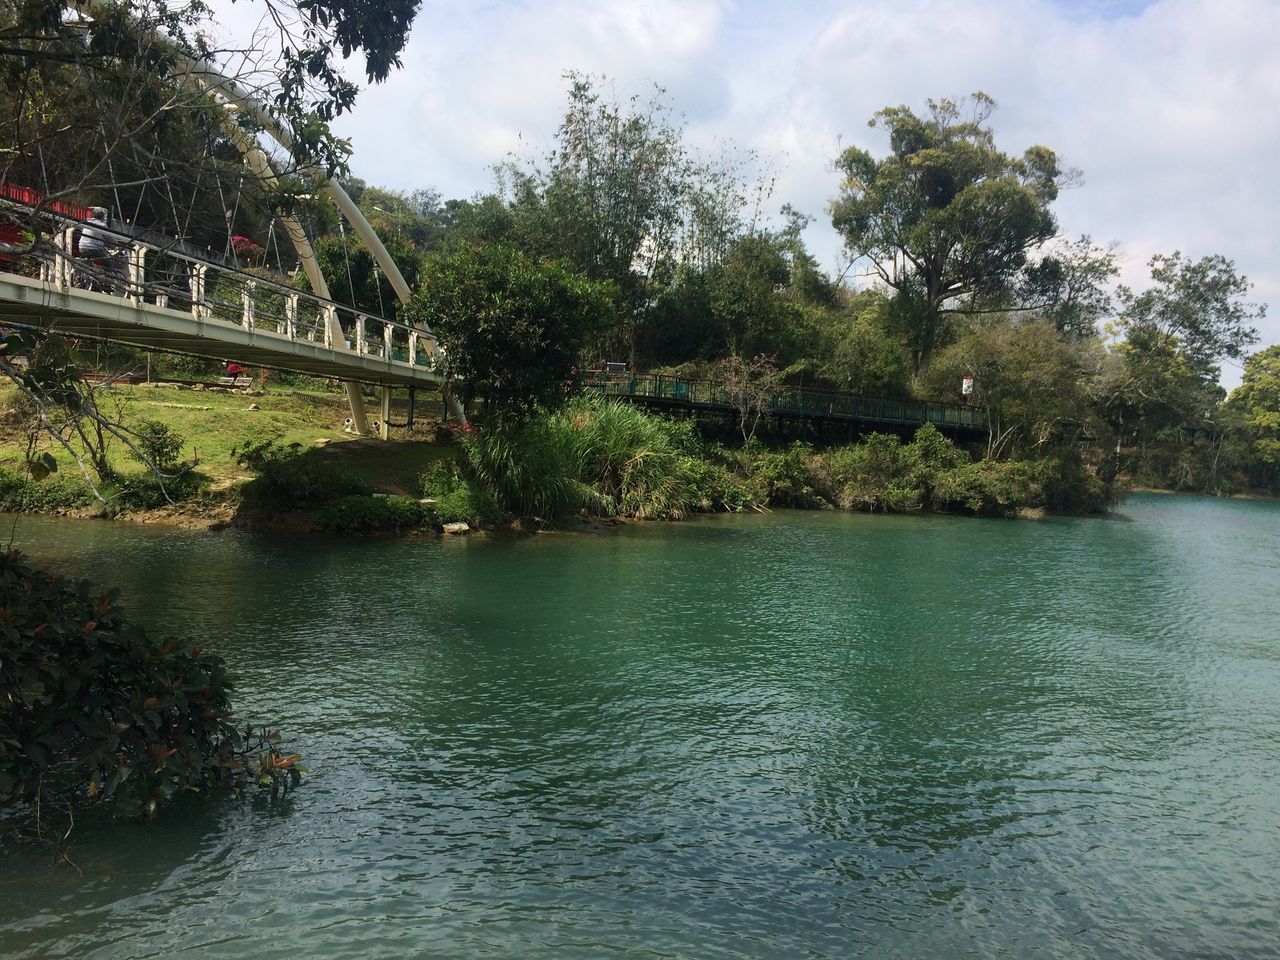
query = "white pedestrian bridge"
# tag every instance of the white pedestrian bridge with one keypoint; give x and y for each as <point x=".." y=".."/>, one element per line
<point x="162" y="296"/>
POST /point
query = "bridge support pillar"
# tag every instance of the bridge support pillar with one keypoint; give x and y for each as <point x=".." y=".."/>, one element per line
<point x="384" y="426"/>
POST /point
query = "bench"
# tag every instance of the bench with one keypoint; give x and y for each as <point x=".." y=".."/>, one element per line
<point x="236" y="383"/>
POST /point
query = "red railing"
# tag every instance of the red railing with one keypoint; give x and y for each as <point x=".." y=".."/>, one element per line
<point x="17" y="192"/>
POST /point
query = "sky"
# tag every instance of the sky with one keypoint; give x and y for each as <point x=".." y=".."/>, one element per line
<point x="1171" y="109"/>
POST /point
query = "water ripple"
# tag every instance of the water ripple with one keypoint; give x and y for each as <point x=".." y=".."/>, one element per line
<point x="800" y="735"/>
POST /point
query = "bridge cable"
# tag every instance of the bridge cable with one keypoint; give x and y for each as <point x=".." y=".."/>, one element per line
<point x="351" y="287"/>
<point x="142" y="192"/>
<point x="235" y="212"/>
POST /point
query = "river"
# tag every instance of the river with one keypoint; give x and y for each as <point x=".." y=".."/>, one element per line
<point x="802" y="734"/>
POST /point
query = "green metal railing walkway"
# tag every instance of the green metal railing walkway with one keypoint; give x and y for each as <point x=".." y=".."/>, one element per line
<point x="788" y="403"/>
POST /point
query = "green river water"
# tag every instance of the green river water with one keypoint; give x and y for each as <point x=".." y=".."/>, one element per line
<point x="795" y="735"/>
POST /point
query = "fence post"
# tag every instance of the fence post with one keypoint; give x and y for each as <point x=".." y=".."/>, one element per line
<point x="137" y="274"/>
<point x="387" y="331"/>
<point x="197" y="291"/>
<point x="291" y="316"/>
<point x="62" y="258"/>
<point x="361" y="346"/>
<point x="330" y="314"/>
<point x="246" y="301"/>
<point x="413" y="357"/>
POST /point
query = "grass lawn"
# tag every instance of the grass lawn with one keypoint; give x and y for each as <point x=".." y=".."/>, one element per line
<point x="213" y="423"/>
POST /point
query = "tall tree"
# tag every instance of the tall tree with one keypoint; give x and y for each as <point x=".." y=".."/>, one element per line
<point x="946" y="215"/>
<point x="1071" y="287"/>
<point x="512" y="326"/>
<point x="1026" y="377"/>
<point x="1257" y="402"/>
<point x="1198" y="307"/>
<point x="623" y="199"/>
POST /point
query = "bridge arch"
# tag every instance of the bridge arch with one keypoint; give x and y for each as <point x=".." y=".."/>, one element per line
<point x="208" y="80"/>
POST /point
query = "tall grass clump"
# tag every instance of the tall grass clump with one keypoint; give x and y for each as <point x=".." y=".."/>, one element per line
<point x="529" y="466"/>
<point x="640" y="465"/>
<point x="600" y="457"/>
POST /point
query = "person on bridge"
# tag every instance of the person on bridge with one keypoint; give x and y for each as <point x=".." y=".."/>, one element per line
<point x="93" y="241"/>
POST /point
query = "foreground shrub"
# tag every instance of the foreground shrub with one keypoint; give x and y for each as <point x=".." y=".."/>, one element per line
<point x="289" y="477"/>
<point x="93" y="710"/>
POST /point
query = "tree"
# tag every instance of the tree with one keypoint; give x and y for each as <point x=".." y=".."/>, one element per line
<point x="1159" y="391"/>
<point x="1196" y="306"/>
<point x="1028" y="380"/>
<point x="622" y="199"/>
<point x="861" y="356"/>
<point x="1070" y="287"/>
<point x="417" y="217"/>
<point x="945" y="215"/>
<point x="746" y="296"/>
<point x="512" y="326"/>
<point x="353" y="275"/>
<point x="1257" y="402"/>
<point x="748" y="386"/>
<point x="300" y="80"/>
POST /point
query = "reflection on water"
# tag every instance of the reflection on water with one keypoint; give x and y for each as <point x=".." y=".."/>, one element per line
<point x="803" y="734"/>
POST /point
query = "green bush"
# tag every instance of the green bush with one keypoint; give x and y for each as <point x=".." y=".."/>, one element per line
<point x="989" y="488"/>
<point x="1071" y="487"/>
<point x="713" y="487"/>
<point x="146" y="491"/>
<point x="365" y="514"/>
<point x="782" y="478"/>
<point x="289" y="477"/>
<point x="457" y="499"/>
<point x="158" y="446"/>
<point x="179" y="366"/>
<point x="872" y="475"/>
<point x="21" y="494"/>
<point x="931" y="473"/>
<point x="96" y="711"/>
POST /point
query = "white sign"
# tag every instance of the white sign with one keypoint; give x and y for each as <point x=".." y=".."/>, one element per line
<point x="966" y="386"/>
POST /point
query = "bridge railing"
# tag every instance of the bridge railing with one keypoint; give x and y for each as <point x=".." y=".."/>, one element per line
<point x="787" y="401"/>
<point x="147" y="274"/>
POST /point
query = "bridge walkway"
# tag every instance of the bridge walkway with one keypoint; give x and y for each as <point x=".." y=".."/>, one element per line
<point x="163" y="298"/>
<point x="790" y="403"/>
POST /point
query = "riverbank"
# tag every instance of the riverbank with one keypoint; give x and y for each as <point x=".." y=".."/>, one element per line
<point x="280" y="460"/>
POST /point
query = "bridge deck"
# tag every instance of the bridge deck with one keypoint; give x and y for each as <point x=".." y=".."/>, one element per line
<point x="78" y="312"/>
